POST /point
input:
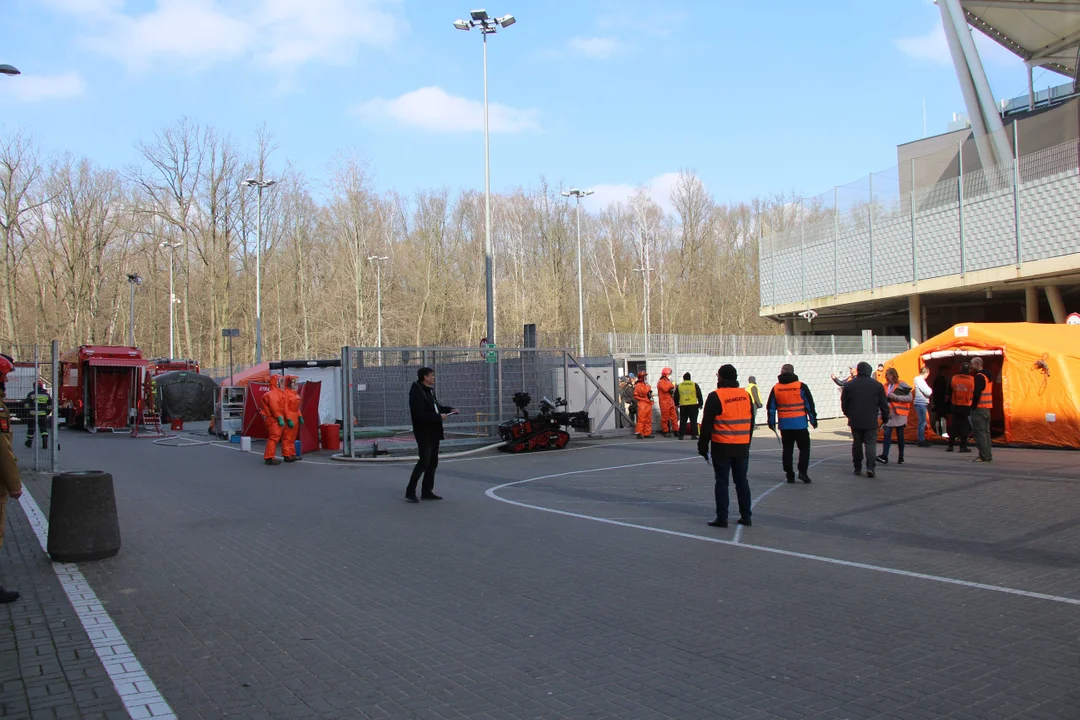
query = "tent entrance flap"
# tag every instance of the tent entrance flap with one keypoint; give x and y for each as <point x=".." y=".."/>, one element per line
<point x="949" y="362"/>
<point x="960" y="353"/>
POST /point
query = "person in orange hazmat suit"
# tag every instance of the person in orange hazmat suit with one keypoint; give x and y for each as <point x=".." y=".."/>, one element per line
<point x="293" y="418"/>
<point x="669" y="416"/>
<point x="273" y="414"/>
<point x="643" y="396"/>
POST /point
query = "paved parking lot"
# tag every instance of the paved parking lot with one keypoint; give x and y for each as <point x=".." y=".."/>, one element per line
<point x="583" y="583"/>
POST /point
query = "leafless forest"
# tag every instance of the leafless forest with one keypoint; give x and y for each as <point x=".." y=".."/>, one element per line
<point x="73" y="230"/>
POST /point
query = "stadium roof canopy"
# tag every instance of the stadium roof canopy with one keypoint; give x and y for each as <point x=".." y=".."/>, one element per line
<point x="1044" y="33"/>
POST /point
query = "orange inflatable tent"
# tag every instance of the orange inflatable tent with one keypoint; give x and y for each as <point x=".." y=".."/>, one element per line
<point x="1036" y="374"/>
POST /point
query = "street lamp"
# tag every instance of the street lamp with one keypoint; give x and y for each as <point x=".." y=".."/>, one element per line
<point x="164" y="244"/>
<point x="9" y="70"/>
<point x="575" y="193"/>
<point x="488" y="26"/>
<point x="378" y="260"/>
<point x="133" y="280"/>
<point x="260" y="184"/>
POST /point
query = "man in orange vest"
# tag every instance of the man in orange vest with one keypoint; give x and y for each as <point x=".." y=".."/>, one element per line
<point x="293" y="418"/>
<point x="982" y="401"/>
<point x="669" y="417"/>
<point x="791" y="402"/>
<point x="726" y="426"/>
<point x="273" y="414"/>
<point x="961" y="395"/>
<point x="643" y="397"/>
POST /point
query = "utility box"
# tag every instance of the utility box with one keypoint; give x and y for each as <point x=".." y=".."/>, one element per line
<point x="581" y="394"/>
<point x="229" y="413"/>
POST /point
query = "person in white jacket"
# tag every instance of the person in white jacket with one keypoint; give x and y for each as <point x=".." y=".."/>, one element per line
<point x="923" y="391"/>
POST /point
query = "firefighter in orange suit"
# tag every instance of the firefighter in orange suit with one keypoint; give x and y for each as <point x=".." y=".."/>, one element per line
<point x="726" y="427"/>
<point x="273" y="413"/>
<point x="669" y="416"/>
<point x="293" y="418"/>
<point x="10" y="481"/>
<point x="644" y="399"/>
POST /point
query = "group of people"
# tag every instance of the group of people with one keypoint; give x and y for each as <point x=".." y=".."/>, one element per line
<point x="679" y="404"/>
<point x="280" y="410"/>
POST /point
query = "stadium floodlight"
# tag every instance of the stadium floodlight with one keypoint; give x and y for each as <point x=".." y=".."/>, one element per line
<point x="9" y="70"/>
<point x="478" y="15"/>
<point x="575" y="193"/>
<point x="462" y="25"/>
<point x="507" y="20"/>
<point x="260" y="185"/>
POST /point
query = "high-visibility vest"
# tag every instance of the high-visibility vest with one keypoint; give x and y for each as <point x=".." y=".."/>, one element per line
<point x="898" y="407"/>
<point x="687" y="393"/>
<point x="789" y="400"/>
<point x="733" y="425"/>
<point x="879" y="375"/>
<point x="986" y="400"/>
<point x="39" y="404"/>
<point x="963" y="389"/>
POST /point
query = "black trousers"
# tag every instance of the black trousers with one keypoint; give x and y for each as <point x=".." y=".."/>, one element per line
<point x="789" y="439"/>
<point x="688" y="421"/>
<point x="42" y="423"/>
<point x="428" y="451"/>
<point x="960" y="427"/>
<point x="735" y="467"/>
<point x="864" y="442"/>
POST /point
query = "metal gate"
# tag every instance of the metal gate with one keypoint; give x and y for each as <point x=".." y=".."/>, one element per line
<point x="34" y="438"/>
<point x="479" y="382"/>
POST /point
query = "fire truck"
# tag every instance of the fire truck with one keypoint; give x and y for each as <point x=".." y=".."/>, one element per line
<point x="99" y="386"/>
<point x="160" y="366"/>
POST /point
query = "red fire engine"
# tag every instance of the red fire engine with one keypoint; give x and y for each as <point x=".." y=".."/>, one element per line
<point x="160" y="366"/>
<point x="99" y="387"/>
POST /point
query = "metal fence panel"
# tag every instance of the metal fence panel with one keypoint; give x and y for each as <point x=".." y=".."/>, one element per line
<point x="34" y="443"/>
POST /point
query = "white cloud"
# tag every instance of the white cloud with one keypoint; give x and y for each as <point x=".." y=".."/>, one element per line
<point x="28" y="88"/>
<point x="597" y="48"/>
<point x="658" y="189"/>
<point x="432" y="108"/>
<point x="276" y="33"/>
<point x="933" y="47"/>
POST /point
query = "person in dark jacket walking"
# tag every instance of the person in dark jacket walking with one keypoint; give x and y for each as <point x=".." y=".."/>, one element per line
<point x="791" y="400"/>
<point x="863" y="403"/>
<point x="427" y="419"/>
<point x="726" y="427"/>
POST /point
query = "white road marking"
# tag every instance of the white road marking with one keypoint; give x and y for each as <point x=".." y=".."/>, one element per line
<point x="759" y="498"/>
<point x="493" y="494"/>
<point x="136" y="690"/>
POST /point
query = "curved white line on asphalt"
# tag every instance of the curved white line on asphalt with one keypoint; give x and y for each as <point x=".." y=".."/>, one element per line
<point x="137" y="691"/>
<point x="759" y="498"/>
<point x="493" y="494"/>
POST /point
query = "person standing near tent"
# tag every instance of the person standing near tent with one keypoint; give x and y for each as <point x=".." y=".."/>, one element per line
<point x="293" y="418"/>
<point x="669" y="416"/>
<point x="644" y="399"/>
<point x="727" y="425"/>
<point x="427" y="420"/>
<point x="626" y="394"/>
<point x="982" y="402"/>
<point x="864" y="405"/>
<point x="39" y="405"/>
<point x="10" y="481"/>
<point x="962" y="393"/>
<point x="899" y="396"/>
<point x="688" y="398"/>
<point x="941" y="403"/>
<point x="879" y="374"/>
<point x="841" y="382"/>
<point x="792" y="407"/>
<point x="273" y="414"/>
<point x="923" y="393"/>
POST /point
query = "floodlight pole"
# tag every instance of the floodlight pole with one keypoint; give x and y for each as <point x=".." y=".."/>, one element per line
<point x="575" y="193"/>
<point x="172" y="296"/>
<point x="259" y="184"/>
<point x="133" y="280"/>
<point x="378" y="260"/>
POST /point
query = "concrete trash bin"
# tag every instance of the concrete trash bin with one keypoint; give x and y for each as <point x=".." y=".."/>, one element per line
<point x="82" y="517"/>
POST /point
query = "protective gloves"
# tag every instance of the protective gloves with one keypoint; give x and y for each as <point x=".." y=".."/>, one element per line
<point x="290" y="423"/>
<point x="281" y="421"/>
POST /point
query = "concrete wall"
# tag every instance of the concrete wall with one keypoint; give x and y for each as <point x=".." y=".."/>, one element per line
<point x="813" y="370"/>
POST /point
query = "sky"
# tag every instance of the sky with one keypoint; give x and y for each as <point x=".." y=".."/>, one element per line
<point x="610" y="95"/>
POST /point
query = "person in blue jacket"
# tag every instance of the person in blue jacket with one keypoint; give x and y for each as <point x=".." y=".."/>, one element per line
<point x="791" y="405"/>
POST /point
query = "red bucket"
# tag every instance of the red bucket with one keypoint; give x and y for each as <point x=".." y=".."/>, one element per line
<point x="176" y="424"/>
<point x="330" y="435"/>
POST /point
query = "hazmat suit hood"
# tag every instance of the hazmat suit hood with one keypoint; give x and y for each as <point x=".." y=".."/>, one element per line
<point x="275" y="382"/>
<point x="864" y="369"/>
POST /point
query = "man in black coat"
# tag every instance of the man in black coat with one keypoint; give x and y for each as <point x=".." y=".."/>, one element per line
<point x="863" y="402"/>
<point x="427" y="419"/>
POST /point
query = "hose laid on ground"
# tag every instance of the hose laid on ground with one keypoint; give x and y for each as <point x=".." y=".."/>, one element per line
<point x="414" y="458"/>
<point x="188" y="442"/>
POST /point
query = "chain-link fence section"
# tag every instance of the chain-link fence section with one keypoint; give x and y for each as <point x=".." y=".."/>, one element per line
<point x="938" y="214"/>
<point x="479" y="383"/>
<point x="31" y="396"/>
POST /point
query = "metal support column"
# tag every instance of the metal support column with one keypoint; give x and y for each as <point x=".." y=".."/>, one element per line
<point x="1016" y="192"/>
<point x="1031" y="304"/>
<point x="54" y="430"/>
<point x="960" y="204"/>
<point x="346" y="401"/>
